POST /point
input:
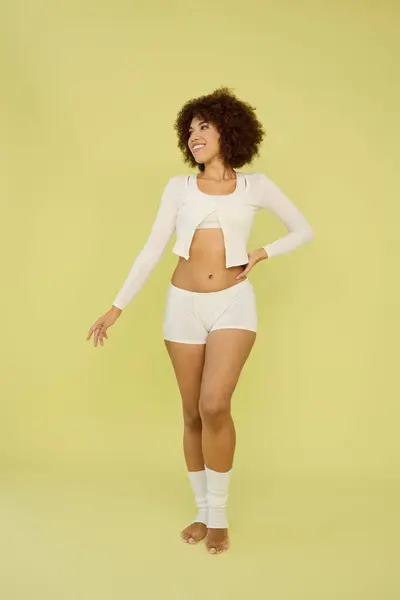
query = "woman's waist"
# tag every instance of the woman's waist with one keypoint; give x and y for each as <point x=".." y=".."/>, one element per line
<point x="204" y="274"/>
<point x="209" y="247"/>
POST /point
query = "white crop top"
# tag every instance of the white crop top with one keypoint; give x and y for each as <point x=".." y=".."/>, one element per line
<point x="211" y="221"/>
<point x="183" y="208"/>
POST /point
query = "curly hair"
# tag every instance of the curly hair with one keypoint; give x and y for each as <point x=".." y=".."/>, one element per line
<point x="240" y="131"/>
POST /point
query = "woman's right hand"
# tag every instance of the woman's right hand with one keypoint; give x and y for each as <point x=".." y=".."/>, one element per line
<point x="99" y="327"/>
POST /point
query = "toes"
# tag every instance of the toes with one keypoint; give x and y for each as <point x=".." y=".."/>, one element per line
<point x="185" y="535"/>
<point x="193" y="536"/>
<point x="215" y="550"/>
<point x="218" y="548"/>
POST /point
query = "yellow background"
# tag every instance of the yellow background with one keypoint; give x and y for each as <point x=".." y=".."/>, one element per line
<point x="94" y="490"/>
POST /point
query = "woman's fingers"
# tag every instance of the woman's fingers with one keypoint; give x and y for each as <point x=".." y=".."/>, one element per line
<point x="91" y="330"/>
<point x="102" y="336"/>
<point x="96" y="335"/>
<point x="100" y="332"/>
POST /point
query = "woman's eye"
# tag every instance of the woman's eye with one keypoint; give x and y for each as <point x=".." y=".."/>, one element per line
<point x="190" y="132"/>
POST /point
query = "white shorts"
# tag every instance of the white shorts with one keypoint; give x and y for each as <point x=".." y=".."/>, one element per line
<point x="190" y="316"/>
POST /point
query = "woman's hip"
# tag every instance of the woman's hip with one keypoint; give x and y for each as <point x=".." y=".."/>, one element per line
<point x="191" y="315"/>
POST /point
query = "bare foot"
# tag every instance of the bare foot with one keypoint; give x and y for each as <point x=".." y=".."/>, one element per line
<point x="195" y="532"/>
<point x="217" y="541"/>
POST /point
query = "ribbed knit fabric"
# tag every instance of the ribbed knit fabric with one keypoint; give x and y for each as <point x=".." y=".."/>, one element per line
<point x="199" y="485"/>
<point x="217" y="497"/>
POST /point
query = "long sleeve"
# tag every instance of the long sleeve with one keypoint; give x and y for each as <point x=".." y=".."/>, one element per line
<point x="271" y="197"/>
<point x="151" y="253"/>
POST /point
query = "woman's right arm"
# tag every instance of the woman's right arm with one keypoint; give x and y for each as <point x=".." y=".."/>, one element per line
<point x="151" y="253"/>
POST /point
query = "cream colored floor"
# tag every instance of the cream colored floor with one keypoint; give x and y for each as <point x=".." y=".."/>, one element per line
<point x="93" y="535"/>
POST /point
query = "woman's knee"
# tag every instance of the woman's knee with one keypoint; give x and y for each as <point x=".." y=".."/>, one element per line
<point x="192" y="419"/>
<point x="214" y="409"/>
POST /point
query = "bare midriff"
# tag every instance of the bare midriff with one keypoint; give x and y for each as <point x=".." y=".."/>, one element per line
<point x="205" y="271"/>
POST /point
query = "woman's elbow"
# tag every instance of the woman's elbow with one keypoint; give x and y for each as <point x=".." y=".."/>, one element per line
<point x="307" y="234"/>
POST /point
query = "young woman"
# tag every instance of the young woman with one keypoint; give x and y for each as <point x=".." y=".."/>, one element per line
<point x="210" y="318"/>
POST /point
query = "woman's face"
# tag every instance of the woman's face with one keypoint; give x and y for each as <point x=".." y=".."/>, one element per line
<point x="203" y="140"/>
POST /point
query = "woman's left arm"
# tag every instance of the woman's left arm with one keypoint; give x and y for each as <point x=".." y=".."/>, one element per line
<point x="270" y="197"/>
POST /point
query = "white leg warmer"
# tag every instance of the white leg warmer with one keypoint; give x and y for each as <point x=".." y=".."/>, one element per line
<point x="199" y="484"/>
<point x="217" y="498"/>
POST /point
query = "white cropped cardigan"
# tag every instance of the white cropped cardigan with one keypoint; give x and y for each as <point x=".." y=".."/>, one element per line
<point x="183" y="206"/>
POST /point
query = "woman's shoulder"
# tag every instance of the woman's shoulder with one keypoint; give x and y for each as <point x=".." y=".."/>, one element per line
<point x="180" y="176"/>
<point x="180" y="179"/>
<point x="254" y="175"/>
<point x="255" y="179"/>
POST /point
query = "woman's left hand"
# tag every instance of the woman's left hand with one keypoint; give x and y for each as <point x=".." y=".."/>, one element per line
<point x="255" y="256"/>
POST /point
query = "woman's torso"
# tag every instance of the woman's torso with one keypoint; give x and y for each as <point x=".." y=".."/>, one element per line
<point x="205" y="271"/>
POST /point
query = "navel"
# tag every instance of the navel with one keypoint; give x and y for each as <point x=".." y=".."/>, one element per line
<point x="210" y="276"/>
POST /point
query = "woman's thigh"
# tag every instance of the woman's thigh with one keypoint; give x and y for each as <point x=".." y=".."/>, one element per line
<point x="188" y="362"/>
<point x="225" y="356"/>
